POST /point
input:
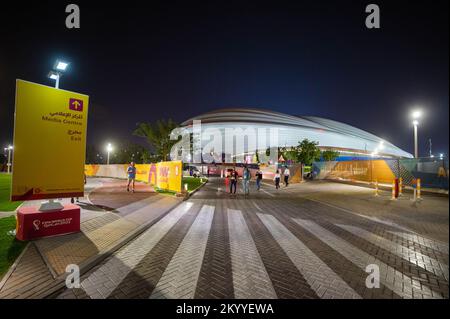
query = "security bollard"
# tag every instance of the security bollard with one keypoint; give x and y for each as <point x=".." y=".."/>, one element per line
<point x="418" y="189"/>
<point x="376" y="187"/>
<point x="400" y="186"/>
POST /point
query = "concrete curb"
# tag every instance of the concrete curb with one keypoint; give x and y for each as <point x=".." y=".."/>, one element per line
<point x="188" y="195"/>
<point x="13" y="266"/>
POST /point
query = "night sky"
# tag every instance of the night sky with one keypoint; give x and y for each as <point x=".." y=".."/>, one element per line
<point x="144" y="60"/>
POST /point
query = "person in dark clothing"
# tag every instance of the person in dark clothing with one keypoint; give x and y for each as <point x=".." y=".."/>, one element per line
<point x="277" y="179"/>
<point x="259" y="176"/>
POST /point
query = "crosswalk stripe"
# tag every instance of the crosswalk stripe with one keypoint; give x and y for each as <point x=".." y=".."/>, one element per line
<point x="443" y="248"/>
<point x="405" y="253"/>
<point x="389" y="276"/>
<point x="179" y="280"/>
<point x="126" y="259"/>
<point x="324" y="281"/>
<point x="250" y="278"/>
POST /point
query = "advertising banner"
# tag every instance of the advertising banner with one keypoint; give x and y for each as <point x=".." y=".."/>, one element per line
<point x="49" y="142"/>
<point x="163" y="175"/>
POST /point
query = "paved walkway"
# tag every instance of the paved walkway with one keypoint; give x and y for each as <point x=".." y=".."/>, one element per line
<point x="109" y="217"/>
<point x="296" y="242"/>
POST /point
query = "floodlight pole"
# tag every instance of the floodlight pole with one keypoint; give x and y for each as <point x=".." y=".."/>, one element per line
<point x="57" y="81"/>
<point x="9" y="160"/>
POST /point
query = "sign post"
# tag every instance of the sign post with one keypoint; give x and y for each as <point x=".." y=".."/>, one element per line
<point x="49" y="152"/>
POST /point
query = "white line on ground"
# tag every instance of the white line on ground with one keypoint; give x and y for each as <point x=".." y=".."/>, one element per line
<point x="433" y="244"/>
<point x="110" y="274"/>
<point x="321" y="278"/>
<point x="179" y="279"/>
<point x="389" y="277"/>
<point x="398" y="250"/>
<point x="250" y="278"/>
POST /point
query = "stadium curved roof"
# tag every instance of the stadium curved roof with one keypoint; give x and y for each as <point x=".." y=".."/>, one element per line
<point x="329" y="133"/>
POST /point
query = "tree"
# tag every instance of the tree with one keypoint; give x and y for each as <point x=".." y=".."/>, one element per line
<point x="329" y="155"/>
<point x="307" y="152"/>
<point x="130" y="152"/>
<point x="158" y="136"/>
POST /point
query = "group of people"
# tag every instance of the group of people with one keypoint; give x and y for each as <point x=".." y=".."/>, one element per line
<point x="277" y="177"/>
<point x="232" y="178"/>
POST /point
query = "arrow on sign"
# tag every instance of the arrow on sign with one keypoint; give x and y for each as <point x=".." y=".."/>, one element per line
<point x="76" y="105"/>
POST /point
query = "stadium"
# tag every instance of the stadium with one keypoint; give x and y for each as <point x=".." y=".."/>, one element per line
<point x="349" y="141"/>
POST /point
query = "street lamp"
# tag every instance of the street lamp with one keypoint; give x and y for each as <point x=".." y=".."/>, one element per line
<point x="60" y="66"/>
<point x="9" y="149"/>
<point x="109" y="149"/>
<point x="441" y="156"/>
<point x="416" y="115"/>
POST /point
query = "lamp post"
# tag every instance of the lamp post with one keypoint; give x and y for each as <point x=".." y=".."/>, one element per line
<point x="109" y="149"/>
<point x="9" y="149"/>
<point x="60" y="67"/>
<point x="416" y="115"/>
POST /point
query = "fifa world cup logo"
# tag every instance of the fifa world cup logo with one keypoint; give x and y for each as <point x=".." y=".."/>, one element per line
<point x="36" y="224"/>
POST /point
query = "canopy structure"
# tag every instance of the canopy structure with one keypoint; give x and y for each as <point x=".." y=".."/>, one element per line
<point x="330" y="134"/>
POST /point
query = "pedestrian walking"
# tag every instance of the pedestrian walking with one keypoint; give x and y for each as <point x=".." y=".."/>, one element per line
<point x="286" y="174"/>
<point x="233" y="181"/>
<point x="246" y="176"/>
<point x="277" y="179"/>
<point x="131" y="171"/>
<point x="259" y="176"/>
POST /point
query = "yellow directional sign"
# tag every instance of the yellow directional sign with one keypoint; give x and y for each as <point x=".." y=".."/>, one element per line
<point x="49" y="142"/>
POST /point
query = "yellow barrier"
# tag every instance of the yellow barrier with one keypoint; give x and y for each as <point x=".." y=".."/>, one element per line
<point x="418" y="188"/>
<point x="164" y="175"/>
<point x="366" y="171"/>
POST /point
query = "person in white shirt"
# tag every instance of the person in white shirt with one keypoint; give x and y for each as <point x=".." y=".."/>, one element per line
<point x="286" y="176"/>
<point x="277" y="179"/>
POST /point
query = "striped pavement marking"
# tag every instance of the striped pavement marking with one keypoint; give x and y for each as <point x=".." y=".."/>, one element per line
<point x="414" y="257"/>
<point x="391" y="278"/>
<point x="117" y="268"/>
<point x="324" y="281"/>
<point x="179" y="280"/>
<point x="250" y="278"/>
<point x="443" y="248"/>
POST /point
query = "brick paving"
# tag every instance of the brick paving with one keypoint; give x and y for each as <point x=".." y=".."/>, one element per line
<point x="101" y="232"/>
<point x="297" y="242"/>
<point x="292" y="243"/>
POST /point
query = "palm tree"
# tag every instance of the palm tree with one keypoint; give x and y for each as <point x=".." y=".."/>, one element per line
<point x="158" y="136"/>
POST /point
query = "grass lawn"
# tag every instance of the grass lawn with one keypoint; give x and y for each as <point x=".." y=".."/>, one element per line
<point x="10" y="247"/>
<point x="5" y="185"/>
<point x="192" y="182"/>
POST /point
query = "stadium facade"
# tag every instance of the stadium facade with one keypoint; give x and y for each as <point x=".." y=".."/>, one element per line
<point x="348" y="140"/>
